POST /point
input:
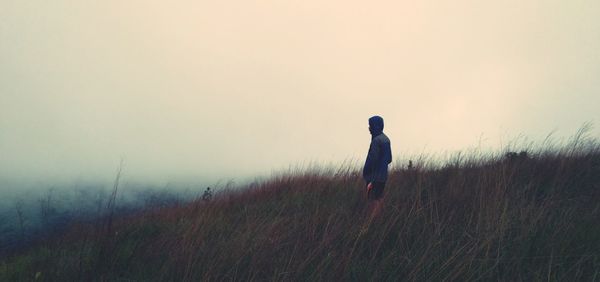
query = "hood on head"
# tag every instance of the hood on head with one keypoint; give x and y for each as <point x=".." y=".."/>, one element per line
<point x="376" y="125"/>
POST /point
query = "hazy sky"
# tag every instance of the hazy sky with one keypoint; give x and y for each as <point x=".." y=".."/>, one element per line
<point x="203" y="90"/>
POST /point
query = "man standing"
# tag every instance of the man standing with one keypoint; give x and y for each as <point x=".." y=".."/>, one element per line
<point x="379" y="157"/>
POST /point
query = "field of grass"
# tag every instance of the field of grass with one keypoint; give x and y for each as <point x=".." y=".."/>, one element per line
<point x="479" y="217"/>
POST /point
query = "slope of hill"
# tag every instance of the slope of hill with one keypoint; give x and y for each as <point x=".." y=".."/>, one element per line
<point x="534" y="217"/>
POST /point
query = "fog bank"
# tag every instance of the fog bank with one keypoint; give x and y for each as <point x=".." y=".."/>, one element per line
<point x="201" y="92"/>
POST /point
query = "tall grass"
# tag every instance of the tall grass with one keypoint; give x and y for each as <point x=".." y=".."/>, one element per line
<point x="470" y="217"/>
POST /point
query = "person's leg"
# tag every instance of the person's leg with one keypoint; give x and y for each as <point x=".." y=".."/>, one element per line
<point x="370" y="198"/>
<point x="378" y="198"/>
<point x="378" y="207"/>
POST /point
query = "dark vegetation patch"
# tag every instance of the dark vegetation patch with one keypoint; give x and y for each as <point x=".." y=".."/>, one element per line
<point x="525" y="218"/>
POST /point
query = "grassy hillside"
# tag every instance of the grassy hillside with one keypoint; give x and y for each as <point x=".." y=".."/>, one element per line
<point x="29" y="213"/>
<point x="477" y="218"/>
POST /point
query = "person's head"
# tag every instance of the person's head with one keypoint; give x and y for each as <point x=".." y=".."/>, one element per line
<point x="375" y="125"/>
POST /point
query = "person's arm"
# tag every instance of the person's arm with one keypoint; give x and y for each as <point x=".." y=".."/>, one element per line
<point x="374" y="157"/>
<point x="386" y="154"/>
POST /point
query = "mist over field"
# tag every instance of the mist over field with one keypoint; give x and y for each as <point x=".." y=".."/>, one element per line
<point x="199" y="92"/>
<point x="164" y="99"/>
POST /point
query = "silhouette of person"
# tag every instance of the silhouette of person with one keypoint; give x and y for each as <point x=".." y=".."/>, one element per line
<point x="375" y="171"/>
<point x="207" y="196"/>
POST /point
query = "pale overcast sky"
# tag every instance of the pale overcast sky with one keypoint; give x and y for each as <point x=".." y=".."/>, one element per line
<point x="203" y="90"/>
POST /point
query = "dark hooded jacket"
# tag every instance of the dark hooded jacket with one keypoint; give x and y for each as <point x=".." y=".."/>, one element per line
<point x="380" y="153"/>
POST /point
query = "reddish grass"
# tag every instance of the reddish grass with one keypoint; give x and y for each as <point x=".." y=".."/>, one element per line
<point x="472" y="218"/>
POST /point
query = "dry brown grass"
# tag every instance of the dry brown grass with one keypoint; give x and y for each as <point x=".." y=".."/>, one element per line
<point x="473" y="218"/>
